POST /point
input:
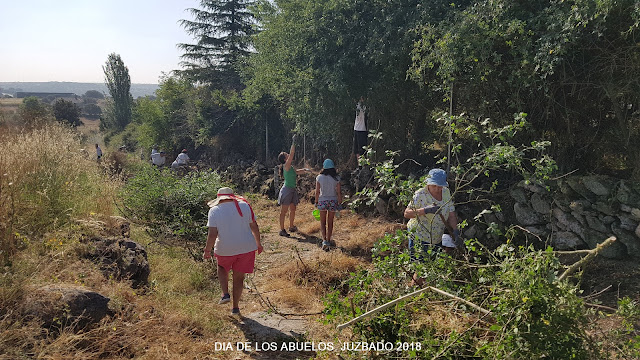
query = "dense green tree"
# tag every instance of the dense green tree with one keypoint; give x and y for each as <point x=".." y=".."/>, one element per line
<point x="92" y="109"/>
<point x="222" y="30"/>
<point x="66" y="111"/>
<point x="119" y="106"/>
<point x="33" y="110"/>
<point x="93" y="94"/>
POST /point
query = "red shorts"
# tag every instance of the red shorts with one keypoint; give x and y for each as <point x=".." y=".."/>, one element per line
<point x="243" y="263"/>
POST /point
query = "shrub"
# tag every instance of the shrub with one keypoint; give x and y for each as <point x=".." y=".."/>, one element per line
<point x="169" y="204"/>
<point x="532" y="315"/>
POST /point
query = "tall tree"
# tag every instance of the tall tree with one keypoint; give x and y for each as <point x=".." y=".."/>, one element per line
<point x="223" y="30"/>
<point x="117" y="79"/>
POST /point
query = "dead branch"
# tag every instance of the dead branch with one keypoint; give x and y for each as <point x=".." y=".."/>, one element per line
<point x="592" y="253"/>
<point x="417" y="292"/>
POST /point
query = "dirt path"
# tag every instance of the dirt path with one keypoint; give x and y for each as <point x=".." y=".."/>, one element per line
<point x="282" y="302"/>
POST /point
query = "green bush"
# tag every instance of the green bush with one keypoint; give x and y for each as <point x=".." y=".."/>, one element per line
<point x="532" y="315"/>
<point x="169" y="204"/>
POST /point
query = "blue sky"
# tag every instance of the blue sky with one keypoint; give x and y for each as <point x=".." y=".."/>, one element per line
<point x="69" y="40"/>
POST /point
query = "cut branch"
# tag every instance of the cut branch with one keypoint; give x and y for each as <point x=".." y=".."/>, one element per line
<point x="417" y="292"/>
<point x="592" y="253"/>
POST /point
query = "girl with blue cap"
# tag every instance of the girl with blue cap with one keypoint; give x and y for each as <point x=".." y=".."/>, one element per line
<point x="431" y="211"/>
<point x="328" y="199"/>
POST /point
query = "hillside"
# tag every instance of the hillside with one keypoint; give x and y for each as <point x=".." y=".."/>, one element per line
<point x="77" y="88"/>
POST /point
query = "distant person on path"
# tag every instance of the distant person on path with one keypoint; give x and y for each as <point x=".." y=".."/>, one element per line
<point x="431" y="211"/>
<point x="360" y="129"/>
<point x="235" y="237"/>
<point x="288" y="196"/>
<point x="98" y="152"/>
<point x="328" y="200"/>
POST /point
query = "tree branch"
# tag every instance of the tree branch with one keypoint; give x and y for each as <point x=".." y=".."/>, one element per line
<point x="592" y="253"/>
<point x="384" y="306"/>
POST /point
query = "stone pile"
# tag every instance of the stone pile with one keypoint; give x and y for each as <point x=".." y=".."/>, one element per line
<point x="580" y="212"/>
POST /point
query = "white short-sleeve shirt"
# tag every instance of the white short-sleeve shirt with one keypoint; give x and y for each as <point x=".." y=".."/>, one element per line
<point x="234" y="234"/>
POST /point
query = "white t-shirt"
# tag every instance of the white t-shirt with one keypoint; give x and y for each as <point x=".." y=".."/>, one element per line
<point x="234" y="234"/>
<point x="327" y="187"/>
<point x="359" y="125"/>
<point x="182" y="159"/>
<point x="175" y="165"/>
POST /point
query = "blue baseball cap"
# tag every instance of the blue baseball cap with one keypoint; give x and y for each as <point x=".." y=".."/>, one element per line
<point x="328" y="164"/>
<point x="437" y="177"/>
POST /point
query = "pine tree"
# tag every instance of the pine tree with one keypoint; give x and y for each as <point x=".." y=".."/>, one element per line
<point x="223" y="30"/>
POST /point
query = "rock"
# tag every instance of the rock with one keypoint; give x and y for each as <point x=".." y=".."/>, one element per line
<point x="533" y="187"/>
<point x="628" y="238"/>
<point x="576" y="185"/>
<point x="604" y="208"/>
<point x="122" y="258"/>
<point x="576" y="215"/>
<point x="526" y="215"/>
<point x="471" y="232"/>
<point x="566" y="240"/>
<point x="381" y="207"/>
<point x="637" y="232"/>
<point x="562" y="204"/>
<point x="595" y="185"/>
<point x="595" y="224"/>
<point x="567" y="222"/>
<point x="519" y="195"/>
<point x="627" y="223"/>
<point x="540" y="231"/>
<point x="608" y="220"/>
<point x="634" y="212"/>
<point x="65" y="306"/>
<point x="579" y="205"/>
<point x="626" y="195"/>
<point x="540" y="205"/>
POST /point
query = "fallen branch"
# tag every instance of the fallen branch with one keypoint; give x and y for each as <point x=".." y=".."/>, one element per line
<point x="592" y="253"/>
<point x="417" y="292"/>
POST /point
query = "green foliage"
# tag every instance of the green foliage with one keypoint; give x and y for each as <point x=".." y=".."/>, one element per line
<point x="93" y="94"/>
<point x="171" y="205"/>
<point x="67" y="112"/>
<point x="118" y="112"/>
<point x="222" y="30"/>
<point x="532" y="314"/>
<point x="32" y="110"/>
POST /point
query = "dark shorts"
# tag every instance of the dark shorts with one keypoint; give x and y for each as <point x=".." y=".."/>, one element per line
<point x="359" y="141"/>
<point x="288" y="196"/>
<point x="421" y="250"/>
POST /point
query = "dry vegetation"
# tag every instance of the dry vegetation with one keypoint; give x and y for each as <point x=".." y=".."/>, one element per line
<point x="51" y="195"/>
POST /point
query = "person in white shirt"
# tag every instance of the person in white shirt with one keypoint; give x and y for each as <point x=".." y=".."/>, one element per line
<point x="183" y="158"/>
<point x="235" y="237"/>
<point x="360" y="128"/>
<point x="328" y="199"/>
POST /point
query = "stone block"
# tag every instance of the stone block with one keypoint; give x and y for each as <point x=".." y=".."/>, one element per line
<point x="526" y="215"/>
<point x="596" y="185"/>
<point x="566" y="240"/>
<point x="540" y="204"/>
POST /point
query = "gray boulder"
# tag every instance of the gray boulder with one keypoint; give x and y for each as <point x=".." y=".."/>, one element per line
<point x="595" y="185"/>
<point x="65" y="307"/>
<point x="123" y="259"/>
<point x="540" y="205"/>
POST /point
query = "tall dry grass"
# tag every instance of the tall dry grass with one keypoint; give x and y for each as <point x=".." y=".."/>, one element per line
<point x="45" y="182"/>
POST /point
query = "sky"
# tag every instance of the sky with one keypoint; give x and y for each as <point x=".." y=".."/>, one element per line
<point x="70" y="40"/>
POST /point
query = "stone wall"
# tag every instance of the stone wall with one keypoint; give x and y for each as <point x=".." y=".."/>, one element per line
<point x="580" y="212"/>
